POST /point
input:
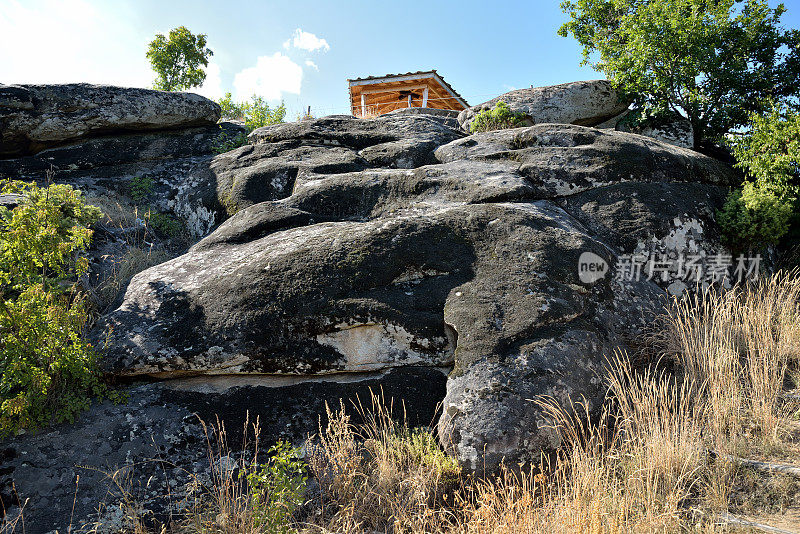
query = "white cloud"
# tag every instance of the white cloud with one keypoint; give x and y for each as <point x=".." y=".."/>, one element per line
<point x="311" y="64"/>
<point x="307" y="41"/>
<point x="61" y="41"/>
<point x="270" y="78"/>
<point x="212" y="86"/>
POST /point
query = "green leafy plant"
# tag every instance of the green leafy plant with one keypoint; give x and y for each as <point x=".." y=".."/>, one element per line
<point x="226" y="143"/>
<point x="712" y="62"/>
<point x="770" y="149"/>
<point x="177" y="59"/>
<point x="48" y="369"/>
<point x="754" y="216"/>
<point x="498" y="118"/>
<point x="164" y="224"/>
<point x="141" y="186"/>
<point x="255" y="114"/>
<point x="277" y="487"/>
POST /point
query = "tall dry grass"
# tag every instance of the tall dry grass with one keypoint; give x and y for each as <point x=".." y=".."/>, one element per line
<point x="735" y="348"/>
<point x="656" y="460"/>
<point x="640" y="467"/>
<point x="380" y="475"/>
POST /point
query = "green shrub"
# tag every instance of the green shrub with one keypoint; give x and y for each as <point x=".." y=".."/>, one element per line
<point x="277" y="487"/>
<point x="141" y="187"/>
<point x="754" y="216"/>
<point x="254" y="113"/>
<point x="226" y="143"/>
<point x="498" y="118"/>
<point x="166" y="225"/>
<point x="770" y="150"/>
<point x="48" y="369"/>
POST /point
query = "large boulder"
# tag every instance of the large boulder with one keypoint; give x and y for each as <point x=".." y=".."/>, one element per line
<point x="586" y="103"/>
<point x="471" y="262"/>
<point x="35" y="117"/>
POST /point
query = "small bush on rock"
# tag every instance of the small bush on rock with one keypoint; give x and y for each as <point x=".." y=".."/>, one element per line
<point x="255" y="114"/>
<point x="47" y="368"/>
<point x="754" y="216"/>
<point x="498" y="118"/>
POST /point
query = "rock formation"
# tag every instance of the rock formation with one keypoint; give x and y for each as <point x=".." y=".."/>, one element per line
<point x="35" y="117"/>
<point x="390" y="251"/>
<point x="586" y="103"/>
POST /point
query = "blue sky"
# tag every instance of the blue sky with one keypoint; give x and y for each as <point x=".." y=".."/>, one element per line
<point x="298" y="51"/>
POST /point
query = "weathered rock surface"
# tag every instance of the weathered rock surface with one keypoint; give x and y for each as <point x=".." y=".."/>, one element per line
<point x="286" y="154"/>
<point x="471" y="262"/>
<point x="678" y="131"/>
<point x="35" y="117"/>
<point x="586" y="103"/>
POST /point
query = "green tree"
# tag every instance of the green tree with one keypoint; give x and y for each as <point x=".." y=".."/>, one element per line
<point x="254" y="113"/>
<point x="709" y="60"/>
<point x="769" y="150"/>
<point x="177" y="60"/>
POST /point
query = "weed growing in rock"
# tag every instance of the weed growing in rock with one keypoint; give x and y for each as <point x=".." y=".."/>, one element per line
<point x="277" y="487"/>
<point x="141" y="187"/>
<point x="226" y="143"/>
<point x="498" y="118"/>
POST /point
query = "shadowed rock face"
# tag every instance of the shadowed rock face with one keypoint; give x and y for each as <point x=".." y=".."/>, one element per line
<point x="35" y="117"/>
<point x="470" y="262"/>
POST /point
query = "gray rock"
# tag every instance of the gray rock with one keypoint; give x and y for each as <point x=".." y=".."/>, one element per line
<point x="586" y="103"/>
<point x="120" y="149"/>
<point x="678" y="131"/>
<point x="384" y="250"/>
<point x="471" y="262"/>
<point x="285" y="154"/>
<point x="10" y="201"/>
<point x="562" y="160"/>
<point x="35" y="117"/>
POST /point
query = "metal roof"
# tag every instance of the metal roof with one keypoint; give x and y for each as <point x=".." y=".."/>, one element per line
<point x="353" y="81"/>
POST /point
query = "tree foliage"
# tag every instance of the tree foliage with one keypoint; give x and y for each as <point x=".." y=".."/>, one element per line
<point x="769" y="150"/>
<point x="255" y="113"/>
<point x="754" y="216"/>
<point x="762" y="211"/>
<point x="712" y="61"/>
<point x="178" y="59"/>
<point x="47" y="367"/>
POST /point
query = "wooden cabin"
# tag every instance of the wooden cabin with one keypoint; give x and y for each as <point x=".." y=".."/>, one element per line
<point x="376" y="95"/>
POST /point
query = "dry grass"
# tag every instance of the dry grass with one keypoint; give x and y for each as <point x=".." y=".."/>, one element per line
<point x="380" y="475"/>
<point x="141" y="251"/>
<point x="735" y="349"/>
<point x="133" y="261"/>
